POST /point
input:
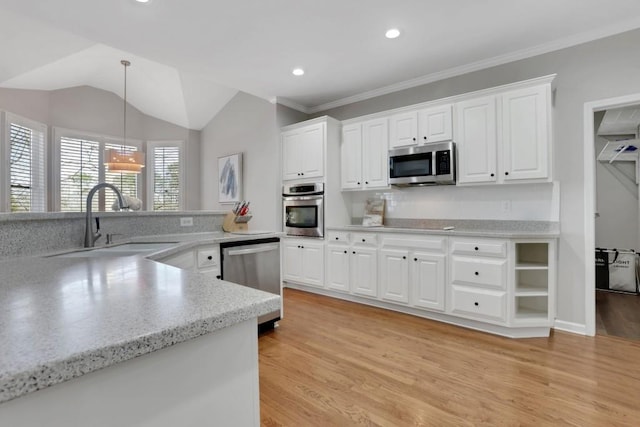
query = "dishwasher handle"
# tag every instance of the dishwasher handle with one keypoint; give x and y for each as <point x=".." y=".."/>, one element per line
<point x="255" y="250"/>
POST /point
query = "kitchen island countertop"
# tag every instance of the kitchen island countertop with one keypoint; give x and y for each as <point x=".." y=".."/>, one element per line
<point x="65" y="317"/>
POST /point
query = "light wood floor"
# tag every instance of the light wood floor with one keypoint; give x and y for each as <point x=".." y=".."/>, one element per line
<point x="618" y="314"/>
<point x="335" y="363"/>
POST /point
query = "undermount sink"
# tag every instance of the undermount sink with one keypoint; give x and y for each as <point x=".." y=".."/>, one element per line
<point x="118" y="250"/>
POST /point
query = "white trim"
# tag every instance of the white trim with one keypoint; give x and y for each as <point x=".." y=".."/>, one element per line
<point x="291" y="104"/>
<point x="151" y="145"/>
<point x="479" y="65"/>
<point x="574" y="328"/>
<point x="590" y="200"/>
<point x="4" y="163"/>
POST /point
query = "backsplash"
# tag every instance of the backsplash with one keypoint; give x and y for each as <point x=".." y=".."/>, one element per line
<point x="523" y="202"/>
<point x="34" y="234"/>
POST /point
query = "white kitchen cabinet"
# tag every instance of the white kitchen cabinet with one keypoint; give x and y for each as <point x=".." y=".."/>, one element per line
<point x="303" y="152"/>
<point x="364" y="155"/>
<point x="394" y="275"/>
<point x="432" y="124"/>
<point x="364" y="278"/>
<point x="505" y="137"/>
<point x="476" y="140"/>
<point x="337" y="269"/>
<point x="525" y="133"/>
<point x="428" y="280"/>
<point x="303" y="261"/>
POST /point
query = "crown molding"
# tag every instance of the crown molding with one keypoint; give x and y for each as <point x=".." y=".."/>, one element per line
<point x="483" y="64"/>
<point x="288" y="103"/>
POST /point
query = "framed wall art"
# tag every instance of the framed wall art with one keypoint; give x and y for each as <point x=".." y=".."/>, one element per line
<point x="230" y="178"/>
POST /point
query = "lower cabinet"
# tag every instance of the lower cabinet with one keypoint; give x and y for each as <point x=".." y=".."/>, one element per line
<point x="303" y="261"/>
<point x="394" y="275"/>
<point x="364" y="280"/>
<point x="428" y="280"/>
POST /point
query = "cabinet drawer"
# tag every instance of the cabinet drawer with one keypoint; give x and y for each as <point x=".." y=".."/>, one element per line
<point x="479" y="303"/>
<point x="338" y="236"/>
<point x="491" y="273"/>
<point x="495" y="248"/>
<point x="428" y="243"/>
<point x="367" y="239"/>
<point x="208" y="257"/>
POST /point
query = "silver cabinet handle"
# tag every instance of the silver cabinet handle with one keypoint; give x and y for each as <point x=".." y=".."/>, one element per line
<point x="253" y="250"/>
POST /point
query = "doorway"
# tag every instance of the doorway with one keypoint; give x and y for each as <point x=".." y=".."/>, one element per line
<point x="592" y="112"/>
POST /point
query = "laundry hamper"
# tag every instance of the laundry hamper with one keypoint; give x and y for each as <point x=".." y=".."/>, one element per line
<point x="617" y="270"/>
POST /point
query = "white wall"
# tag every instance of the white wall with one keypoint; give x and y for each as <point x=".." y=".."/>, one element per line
<point x="618" y="220"/>
<point x="97" y="111"/>
<point x="247" y="125"/>
<point x="592" y="71"/>
<point x="533" y="202"/>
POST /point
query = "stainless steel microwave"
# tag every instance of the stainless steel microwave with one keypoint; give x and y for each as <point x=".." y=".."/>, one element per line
<point x="427" y="164"/>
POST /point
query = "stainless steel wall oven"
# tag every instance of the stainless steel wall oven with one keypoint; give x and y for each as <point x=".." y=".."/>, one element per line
<point x="303" y="209"/>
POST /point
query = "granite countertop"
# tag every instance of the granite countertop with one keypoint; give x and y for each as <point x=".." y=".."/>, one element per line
<point x="470" y="228"/>
<point x="65" y="317"/>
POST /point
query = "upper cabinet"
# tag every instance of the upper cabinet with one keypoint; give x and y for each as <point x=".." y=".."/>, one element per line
<point x="303" y="151"/>
<point x="364" y="151"/>
<point x="421" y="126"/>
<point x="505" y="137"/>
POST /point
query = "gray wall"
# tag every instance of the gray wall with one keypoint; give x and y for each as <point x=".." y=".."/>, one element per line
<point x="247" y="124"/>
<point x="592" y="71"/>
<point x="97" y="111"/>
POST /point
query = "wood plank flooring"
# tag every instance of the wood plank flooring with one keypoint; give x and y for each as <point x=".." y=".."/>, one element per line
<point x="618" y="315"/>
<point x="336" y="363"/>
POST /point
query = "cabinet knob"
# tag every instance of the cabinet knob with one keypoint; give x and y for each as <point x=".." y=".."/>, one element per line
<point x="506" y="173"/>
<point x="358" y="183"/>
<point x="218" y="277"/>
<point x="210" y="257"/>
<point x="301" y="247"/>
<point x="415" y="259"/>
<point x="476" y="248"/>
<point x="493" y="174"/>
<point x="404" y="257"/>
<point x="363" y="240"/>
<point x="413" y="139"/>
<point x="354" y="252"/>
<point x="345" y="252"/>
<point x="366" y="182"/>
<point x="337" y="238"/>
<point x="298" y="173"/>
<point x="425" y="138"/>
<point x="477" y="274"/>
<point x="476" y="304"/>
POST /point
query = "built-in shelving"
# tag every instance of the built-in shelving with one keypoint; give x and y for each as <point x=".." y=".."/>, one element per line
<point x="531" y="281"/>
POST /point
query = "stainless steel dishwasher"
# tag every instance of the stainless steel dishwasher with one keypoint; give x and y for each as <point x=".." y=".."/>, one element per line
<point x="254" y="263"/>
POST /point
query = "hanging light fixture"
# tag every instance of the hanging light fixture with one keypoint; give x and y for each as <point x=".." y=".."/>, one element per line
<point x="124" y="160"/>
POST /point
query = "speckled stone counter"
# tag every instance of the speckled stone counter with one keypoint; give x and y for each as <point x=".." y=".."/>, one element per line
<point x="472" y="228"/>
<point x="64" y="317"/>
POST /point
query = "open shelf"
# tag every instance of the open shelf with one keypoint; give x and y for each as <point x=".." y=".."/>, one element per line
<point x="531" y="266"/>
<point x="531" y="293"/>
<point x="527" y="290"/>
<point x="532" y="307"/>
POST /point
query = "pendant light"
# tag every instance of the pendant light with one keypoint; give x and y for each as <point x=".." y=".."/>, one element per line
<point x="124" y="161"/>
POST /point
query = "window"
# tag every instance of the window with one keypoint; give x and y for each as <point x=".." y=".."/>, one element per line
<point x="165" y="175"/>
<point x="81" y="167"/>
<point x="26" y="171"/>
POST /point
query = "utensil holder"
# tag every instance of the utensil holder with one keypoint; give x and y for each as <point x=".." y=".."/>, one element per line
<point x="233" y="222"/>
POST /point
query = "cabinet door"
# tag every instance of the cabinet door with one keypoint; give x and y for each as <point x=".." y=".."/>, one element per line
<point x="394" y="275"/>
<point x="291" y="260"/>
<point x="313" y="264"/>
<point x="404" y="130"/>
<point x="311" y="156"/>
<point x="364" y="278"/>
<point x="351" y="157"/>
<point x="476" y="140"/>
<point x="375" y="163"/>
<point x="291" y="146"/>
<point x="428" y="280"/>
<point x="337" y="271"/>
<point x="435" y="124"/>
<point x="525" y="135"/>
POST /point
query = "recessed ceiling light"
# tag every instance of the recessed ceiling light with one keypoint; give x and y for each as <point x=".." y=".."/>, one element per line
<point x="392" y="33"/>
<point x="298" y="71"/>
<point x="143" y="1"/>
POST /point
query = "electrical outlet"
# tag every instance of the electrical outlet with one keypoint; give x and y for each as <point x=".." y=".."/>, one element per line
<point x="506" y="206"/>
<point x="186" y="222"/>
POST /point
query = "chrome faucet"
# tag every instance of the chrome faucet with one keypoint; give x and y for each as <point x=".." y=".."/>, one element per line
<point x="89" y="236"/>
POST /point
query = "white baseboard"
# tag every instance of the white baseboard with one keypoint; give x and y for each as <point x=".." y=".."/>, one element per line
<point x="574" y="328"/>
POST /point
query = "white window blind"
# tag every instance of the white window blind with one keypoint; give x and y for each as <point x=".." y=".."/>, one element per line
<point x="26" y="168"/>
<point x="81" y="168"/>
<point x="167" y="177"/>
<point x="127" y="183"/>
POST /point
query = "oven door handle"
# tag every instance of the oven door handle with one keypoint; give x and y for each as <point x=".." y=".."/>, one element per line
<point x="253" y="250"/>
<point x="296" y="198"/>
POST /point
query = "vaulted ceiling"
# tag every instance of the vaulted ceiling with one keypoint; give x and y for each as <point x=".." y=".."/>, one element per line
<point x="190" y="57"/>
